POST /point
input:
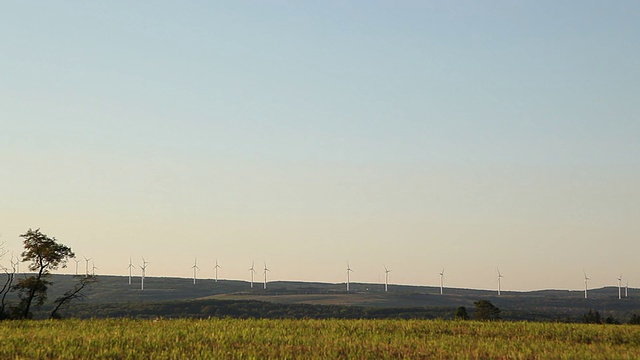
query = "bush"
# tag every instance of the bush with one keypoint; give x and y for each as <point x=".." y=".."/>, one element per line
<point x="486" y="311"/>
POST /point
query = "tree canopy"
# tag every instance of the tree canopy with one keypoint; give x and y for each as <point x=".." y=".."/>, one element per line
<point x="486" y="311"/>
<point x="461" y="313"/>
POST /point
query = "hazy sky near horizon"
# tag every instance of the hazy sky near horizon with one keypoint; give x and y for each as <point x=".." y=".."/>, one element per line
<point x="421" y="135"/>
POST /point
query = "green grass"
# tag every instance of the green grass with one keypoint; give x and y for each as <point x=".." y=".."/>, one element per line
<point x="322" y="339"/>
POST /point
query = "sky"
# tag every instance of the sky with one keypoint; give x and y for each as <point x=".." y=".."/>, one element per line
<point x="417" y="135"/>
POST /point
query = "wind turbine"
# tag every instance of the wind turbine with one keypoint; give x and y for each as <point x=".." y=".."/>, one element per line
<point x="86" y="266"/>
<point x="386" y="277"/>
<point x="626" y="290"/>
<point x="195" y="269"/>
<point x="15" y="265"/>
<point x="130" y="267"/>
<point x="216" y="269"/>
<point x="265" y="275"/>
<point x="620" y="287"/>
<point x="144" y="270"/>
<point x="77" y="262"/>
<point x="252" y="271"/>
<point x="586" y="283"/>
<point x="93" y="269"/>
<point x="348" y="279"/>
<point x="499" y="277"/>
<point x="441" y="280"/>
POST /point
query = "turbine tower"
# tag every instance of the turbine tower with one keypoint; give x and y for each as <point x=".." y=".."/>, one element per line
<point x="77" y="262"/>
<point x="499" y="277"/>
<point x="441" y="281"/>
<point x="86" y="266"/>
<point x="216" y="269"/>
<point x="195" y="269"/>
<point x="130" y="267"/>
<point x="93" y="269"/>
<point x="626" y="290"/>
<point x="265" y="275"/>
<point x="252" y="271"/>
<point x="586" y="283"/>
<point x="348" y="278"/>
<point x="386" y="278"/>
<point x="144" y="271"/>
<point x="620" y="287"/>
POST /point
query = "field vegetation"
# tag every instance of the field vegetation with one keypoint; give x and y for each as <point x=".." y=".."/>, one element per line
<point x="322" y="339"/>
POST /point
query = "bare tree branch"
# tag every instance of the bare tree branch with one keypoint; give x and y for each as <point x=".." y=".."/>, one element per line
<point x="75" y="293"/>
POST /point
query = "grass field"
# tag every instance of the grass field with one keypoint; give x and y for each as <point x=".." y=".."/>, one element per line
<point x="322" y="339"/>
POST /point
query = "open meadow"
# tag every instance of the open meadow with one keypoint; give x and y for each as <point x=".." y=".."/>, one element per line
<point x="322" y="339"/>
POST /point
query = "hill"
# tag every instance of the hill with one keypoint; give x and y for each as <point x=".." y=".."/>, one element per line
<point x="534" y="305"/>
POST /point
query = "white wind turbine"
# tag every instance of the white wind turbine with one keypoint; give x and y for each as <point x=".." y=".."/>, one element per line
<point x="144" y="271"/>
<point x="216" y="269"/>
<point x="499" y="277"/>
<point x="586" y="283"/>
<point x="386" y="278"/>
<point x="626" y="290"/>
<point x="195" y="269"/>
<point x="77" y="262"/>
<point x="93" y="269"/>
<point x="348" y="275"/>
<point x="130" y="267"/>
<point x="86" y="266"/>
<point x="441" y="280"/>
<point x="15" y="264"/>
<point x="620" y="287"/>
<point x="265" y="275"/>
<point x="252" y="271"/>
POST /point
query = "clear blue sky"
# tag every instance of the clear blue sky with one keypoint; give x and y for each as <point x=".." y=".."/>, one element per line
<point x="417" y="134"/>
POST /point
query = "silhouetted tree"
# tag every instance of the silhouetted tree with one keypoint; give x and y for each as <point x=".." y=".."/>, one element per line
<point x="611" y="320"/>
<point x="486" y="311"/>
<point x="44" y="254"/>
<point x="461" y="313"/>
<point x="592" y="317"/>
<point x="634" y="319"/>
